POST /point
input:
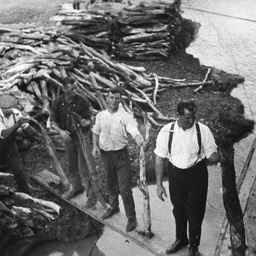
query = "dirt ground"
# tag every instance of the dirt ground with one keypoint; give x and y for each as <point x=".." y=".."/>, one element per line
<point x="211" y="101"/>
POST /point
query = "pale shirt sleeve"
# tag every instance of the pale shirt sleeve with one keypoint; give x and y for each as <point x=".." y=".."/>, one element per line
<point x="209" y="145"/>
<point x="17" y="116"/>
<point x="161" y="149"/>
<point x="130" y="124"/>
<point x="2" y="125"/>
<point x="96" y="126"/>
<point x="11" y="120"/>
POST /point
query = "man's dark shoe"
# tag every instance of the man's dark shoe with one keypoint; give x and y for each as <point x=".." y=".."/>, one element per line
<point x="176" y="246"/>
<point x="72" y="193"/>
<point x="110" y="212"/>
<point x="193" y="251"/>
<point x="131" y="224"/>
<point x="91" y="202"/>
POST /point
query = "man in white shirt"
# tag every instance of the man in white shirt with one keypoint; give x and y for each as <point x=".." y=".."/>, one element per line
<point x="11" y="120"/>
<point x="110" y="142"/>
<point x="189" y="147"/>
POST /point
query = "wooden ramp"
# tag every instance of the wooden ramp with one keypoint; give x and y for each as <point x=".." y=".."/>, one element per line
<point x="156" y="245"/>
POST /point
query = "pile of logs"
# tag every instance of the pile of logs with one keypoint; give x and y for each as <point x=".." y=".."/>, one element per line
<point x="92" y="28"/>
<point x="23" y="216"/>
<point x="147" y="32"/>
<point x="141" y="31"/>
<point x="34" y="63"/>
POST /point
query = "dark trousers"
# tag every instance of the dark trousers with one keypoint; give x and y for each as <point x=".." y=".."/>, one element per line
<point x="9" y="156"/>
<point x="77" y="168"/>
<point x="188" y="193"/>
<point x="118" y="179"/>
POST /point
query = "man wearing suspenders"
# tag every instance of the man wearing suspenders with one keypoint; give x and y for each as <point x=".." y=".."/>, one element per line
<point x="189" y="147"/>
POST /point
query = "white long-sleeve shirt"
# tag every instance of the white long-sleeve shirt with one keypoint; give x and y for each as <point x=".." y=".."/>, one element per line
<point x="112" y="129"/>
<point x="184" y="149"/>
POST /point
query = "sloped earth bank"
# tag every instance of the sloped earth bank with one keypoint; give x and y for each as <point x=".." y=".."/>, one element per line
<point x="216" y="108"/>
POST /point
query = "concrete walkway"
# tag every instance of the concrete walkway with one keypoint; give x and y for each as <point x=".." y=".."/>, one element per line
<point x="214" y="222"/>
<point x="112" y="243"/>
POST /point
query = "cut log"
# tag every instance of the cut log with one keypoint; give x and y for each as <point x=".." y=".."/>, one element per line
<point x="142" y="184"/>
<point x="85" y="145"/>
<point x="49" y="145"/>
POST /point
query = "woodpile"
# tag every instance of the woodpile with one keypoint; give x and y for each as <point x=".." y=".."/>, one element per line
<point x="34" y="63"/>
<point x="23" y="216"/>
<point x="139" y="31"/>
<point x="147" y="31"/>
<point x="92" y="28"/>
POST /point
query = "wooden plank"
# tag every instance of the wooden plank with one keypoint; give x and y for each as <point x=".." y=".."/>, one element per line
<point x="246" y="166"/>
<point x="155" y="245"/>
<point x="243" y="197"/>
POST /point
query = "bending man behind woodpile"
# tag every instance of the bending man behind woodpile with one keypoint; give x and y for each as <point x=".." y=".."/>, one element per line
<point x="189" y="146"/>
<point x="11" y="120"/>
<point x="61" y="121"/>
<point x="110" y="142"/>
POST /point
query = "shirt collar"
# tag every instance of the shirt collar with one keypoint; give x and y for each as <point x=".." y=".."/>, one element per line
<point x="186" y="129"/>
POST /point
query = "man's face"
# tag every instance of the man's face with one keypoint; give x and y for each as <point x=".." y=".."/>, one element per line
<point x="113" y="100"/>
<point x="70" y="91"/>
<point x="187" y="120"/>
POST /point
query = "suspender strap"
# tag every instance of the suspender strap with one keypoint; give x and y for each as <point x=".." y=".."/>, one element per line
<point x="170" y="137"/>
<point x="198" y="133"/>
<point x="14" y="119"/>
<point x="199" y="140"/>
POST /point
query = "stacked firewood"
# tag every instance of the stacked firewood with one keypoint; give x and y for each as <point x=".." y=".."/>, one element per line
<point x="22" y="215"/>
<point x="92" y="28"/>
<point x="144" y="31"/>
<point x="147" y="32"/>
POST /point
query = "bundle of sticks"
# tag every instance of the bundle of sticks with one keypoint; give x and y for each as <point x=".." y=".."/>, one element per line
<point x="34" y="63"/>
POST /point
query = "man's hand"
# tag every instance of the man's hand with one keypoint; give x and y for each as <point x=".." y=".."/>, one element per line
<point x="65" y="135"/>
<point x="96" y="151"/>
<point x="22" y="120"/>
<point x="213" y="159"/>
<point x="161" y="192"/>
<point x="139" y="140"/>
<point x="85" y="122"/>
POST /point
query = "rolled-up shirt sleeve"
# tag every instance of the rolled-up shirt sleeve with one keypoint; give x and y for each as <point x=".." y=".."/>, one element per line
<point x="161" y="149"/>
<point x="17" y="115"/>
<point x="131" y="125"/>
<point x="209" y="145"/>
<point x="96" y="127"/>
<point x="6" y="123"/>
<point x="2" y="127"/>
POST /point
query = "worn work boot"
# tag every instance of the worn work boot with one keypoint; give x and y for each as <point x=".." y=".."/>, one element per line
<point x="176" y="246"/>
<point x="131" y="224"/>
<point x="110" y="212"/>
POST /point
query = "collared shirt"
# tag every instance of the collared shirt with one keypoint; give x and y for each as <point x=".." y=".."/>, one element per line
<point x="61" y="111"/>
<point x="184" y="149"/>
<point x="112" y="129"/>
<point x="7" y="122"/>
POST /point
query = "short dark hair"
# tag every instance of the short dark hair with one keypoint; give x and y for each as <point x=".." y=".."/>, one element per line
<point x="67" y="81"/>
<point x="115" y="90"/>
<point x="189" y="105"/>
